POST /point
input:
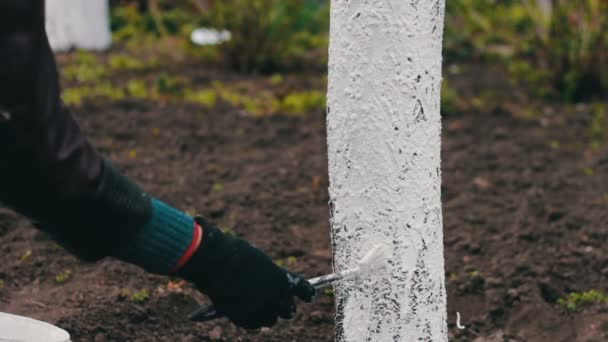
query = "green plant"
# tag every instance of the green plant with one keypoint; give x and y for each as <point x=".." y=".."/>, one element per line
<point x="127" y="23"/>
<point x="63" y="277"/>
<point x="26" y="255"/>
<point x="266" y="34"/>
<point x="217" y="187"/>
<point x="588" y="171"/>
<point x="165" y="84"/>
<point x="140" y="296"/>
<point x="125" y="62"/>
<point x="478" y="28"/>
<point x="75" y="96"/>
<point x="86" y="68"/>
<point x="204" y="97"/>
<point x="450" y="103"/>
<point x="576" y="300"/>
<point x="137" y="89"/>
<point x="276" y="79"/>
<point x="597" y="126"/>
<point x="572" y="42"/>
<point x="559" y="50"/>
<point x="303" y="102"/>
<point x="291" y="260"/>
<point x="269" y="34"/>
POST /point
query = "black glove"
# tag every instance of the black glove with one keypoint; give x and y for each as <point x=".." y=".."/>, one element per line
<point x="244" y="283"/>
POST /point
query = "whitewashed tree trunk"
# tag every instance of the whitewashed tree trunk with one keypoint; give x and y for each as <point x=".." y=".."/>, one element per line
<point x="546" y="7"/>
<point x="83" y="24"/>
<point x="384" y="130"/>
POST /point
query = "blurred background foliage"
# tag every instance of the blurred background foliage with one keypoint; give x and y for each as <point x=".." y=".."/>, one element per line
<point x="549" y="50"/>
<point x="267" y="35"/>
<point x="558" y="48"/>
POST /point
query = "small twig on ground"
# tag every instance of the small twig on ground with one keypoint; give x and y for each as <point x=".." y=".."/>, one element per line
<point x="37" y="303"/>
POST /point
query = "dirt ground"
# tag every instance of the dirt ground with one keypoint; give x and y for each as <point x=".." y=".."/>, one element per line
<point x="524" y="209"/>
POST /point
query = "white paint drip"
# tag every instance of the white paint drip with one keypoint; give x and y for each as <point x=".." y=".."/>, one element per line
<point x="458" y="325"/>
<point x="384" y="156"/>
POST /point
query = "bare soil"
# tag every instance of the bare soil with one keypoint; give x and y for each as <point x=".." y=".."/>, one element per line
<point x="525" y="220"/>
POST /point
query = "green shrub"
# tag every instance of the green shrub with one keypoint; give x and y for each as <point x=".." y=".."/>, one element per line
<point x="560" y="51"/>
<point x="266" y="34"/>
<point x="127" y="23"/>
<point x="573" y="44"/>
<point x="474" y="28"/>
<point x="131" y="25"/>
<point x="271" y="34"/>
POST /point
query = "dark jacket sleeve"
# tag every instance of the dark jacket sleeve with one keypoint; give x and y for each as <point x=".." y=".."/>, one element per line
<point x="49" y="172"/>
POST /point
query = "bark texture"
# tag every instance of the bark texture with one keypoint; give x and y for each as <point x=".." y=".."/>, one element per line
<point x="384" y="130"/>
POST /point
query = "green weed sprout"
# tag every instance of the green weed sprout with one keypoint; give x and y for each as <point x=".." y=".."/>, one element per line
<point x="575" y="300"/>
<point x="63" y="277"/>
<point x="140" y="296"/>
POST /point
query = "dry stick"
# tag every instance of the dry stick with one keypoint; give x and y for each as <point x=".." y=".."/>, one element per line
<point x="156" y="15"/>
<point x="37" y="303"/>
<point x="201" y="5"/>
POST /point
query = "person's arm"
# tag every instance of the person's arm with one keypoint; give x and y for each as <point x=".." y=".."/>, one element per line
<point x="51" y="173"/>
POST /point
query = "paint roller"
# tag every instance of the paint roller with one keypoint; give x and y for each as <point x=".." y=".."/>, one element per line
<point x="374" y="260"/>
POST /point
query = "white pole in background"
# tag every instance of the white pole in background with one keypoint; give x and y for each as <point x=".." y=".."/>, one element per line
<point x="83" y="24"/>
<point x="384" y="130"/>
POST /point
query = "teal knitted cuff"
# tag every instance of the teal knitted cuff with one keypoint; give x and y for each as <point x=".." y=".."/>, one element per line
<point x="158" y="246"/>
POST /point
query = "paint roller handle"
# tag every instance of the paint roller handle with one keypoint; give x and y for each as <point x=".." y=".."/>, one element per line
<point x="330" y="279"/>
<point x="207" y="312"/>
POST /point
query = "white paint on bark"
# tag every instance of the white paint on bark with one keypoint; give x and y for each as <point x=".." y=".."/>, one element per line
<point x="83" y="24"/>
<point x="384" y="130"/>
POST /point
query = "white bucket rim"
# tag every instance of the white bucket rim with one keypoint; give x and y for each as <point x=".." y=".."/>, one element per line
<point x="14" y="328"/>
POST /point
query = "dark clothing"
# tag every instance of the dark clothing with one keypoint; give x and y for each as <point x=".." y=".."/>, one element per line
<point x="50" y="173"/>
<point x="48" y="170"/>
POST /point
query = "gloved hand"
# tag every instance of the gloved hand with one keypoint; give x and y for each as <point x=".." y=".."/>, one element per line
<point x="244" y="284"/>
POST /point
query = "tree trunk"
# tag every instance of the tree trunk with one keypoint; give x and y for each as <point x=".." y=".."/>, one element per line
<point x="546" y="6"/>
<point x="384" y="136"/>
<point x="78" y="24"/>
